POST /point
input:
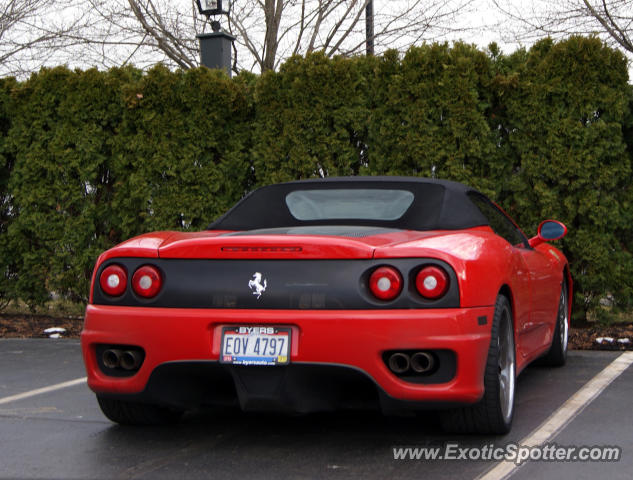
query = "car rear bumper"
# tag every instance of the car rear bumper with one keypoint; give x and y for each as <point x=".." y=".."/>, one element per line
<point x="330" y="350"/>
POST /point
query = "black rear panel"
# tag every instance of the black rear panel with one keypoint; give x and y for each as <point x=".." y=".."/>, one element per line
<point x="275" y="284"/>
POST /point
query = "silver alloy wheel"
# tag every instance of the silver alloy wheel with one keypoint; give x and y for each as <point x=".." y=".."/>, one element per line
<point x="563" y="320"/>
<point x="506" y="366"/>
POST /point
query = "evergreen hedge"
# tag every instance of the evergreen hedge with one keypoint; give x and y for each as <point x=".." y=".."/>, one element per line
<point x="88" y="159"/>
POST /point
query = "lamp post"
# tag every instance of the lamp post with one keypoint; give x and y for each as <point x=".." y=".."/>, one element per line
<point x="369" y="27"/>
<point x="216" y="47"/>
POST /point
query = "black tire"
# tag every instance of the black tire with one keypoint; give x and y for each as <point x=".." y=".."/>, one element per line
<point x="494" y="412"/>
<point x="557" y="355"/>
<point x="132" y="413"/>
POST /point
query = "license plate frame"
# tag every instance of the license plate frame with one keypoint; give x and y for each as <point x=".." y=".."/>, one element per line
<point x="251" y="345"/>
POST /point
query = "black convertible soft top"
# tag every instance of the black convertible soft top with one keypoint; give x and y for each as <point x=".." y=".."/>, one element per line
<point x="436" y="205"/>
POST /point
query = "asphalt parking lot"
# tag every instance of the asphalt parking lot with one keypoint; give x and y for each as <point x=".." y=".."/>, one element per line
<point x="61" y="433"/>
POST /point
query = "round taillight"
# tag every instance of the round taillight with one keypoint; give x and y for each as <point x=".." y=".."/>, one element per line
<point x="113" y="280"/>
<point x="147" y="281"/>
<point x="432" y="282"/>
<point x="385" y="283"/>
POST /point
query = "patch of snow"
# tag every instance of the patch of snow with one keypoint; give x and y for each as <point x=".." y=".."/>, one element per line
<point x="607" y="301"/>
<point x="55" y="330"/>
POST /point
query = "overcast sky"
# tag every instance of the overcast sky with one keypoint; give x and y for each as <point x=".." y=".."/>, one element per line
<point x="480" y="23"/>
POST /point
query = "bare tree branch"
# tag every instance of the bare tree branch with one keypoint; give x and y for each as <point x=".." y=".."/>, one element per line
<point x="610" y="25"/>
<point x="143" y="32"/>
<point x="612" y="20"/>
<point x="27" y="40"/>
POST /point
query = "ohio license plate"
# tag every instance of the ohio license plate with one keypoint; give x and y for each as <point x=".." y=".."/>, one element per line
<point x="255" y="345"/>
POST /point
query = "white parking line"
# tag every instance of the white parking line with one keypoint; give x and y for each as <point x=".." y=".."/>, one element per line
<point x="565" y="414"/>
<point x="39" y="391"/>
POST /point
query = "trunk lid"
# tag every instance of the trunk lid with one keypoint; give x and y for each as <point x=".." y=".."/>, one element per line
<point x="295" y="242"/>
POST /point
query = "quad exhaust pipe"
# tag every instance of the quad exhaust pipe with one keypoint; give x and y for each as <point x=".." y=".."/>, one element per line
<point x="126" y="359"/>
<point x="131" y="360"/>
<point x="422" y="362"/>
<point x="399" y="362"/>
<point x="111" y="358"/>
<point x="419" y="362"/>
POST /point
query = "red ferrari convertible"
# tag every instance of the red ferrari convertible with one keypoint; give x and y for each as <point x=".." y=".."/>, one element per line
<point x="390" y="292"/>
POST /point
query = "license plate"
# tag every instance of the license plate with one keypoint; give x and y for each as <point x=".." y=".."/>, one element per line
<point x="255" y="345"/>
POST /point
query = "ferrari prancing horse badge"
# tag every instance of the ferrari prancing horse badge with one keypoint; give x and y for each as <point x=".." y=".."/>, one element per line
<point x="256" y="285"/>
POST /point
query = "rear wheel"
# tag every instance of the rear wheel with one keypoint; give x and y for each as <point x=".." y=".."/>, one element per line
<point x="557" y="355"/>
<point x="133" y="413"/>
<point x="494" y="412"/>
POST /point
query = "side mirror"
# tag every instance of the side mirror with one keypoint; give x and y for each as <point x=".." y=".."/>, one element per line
<point x="548" y="231"/>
